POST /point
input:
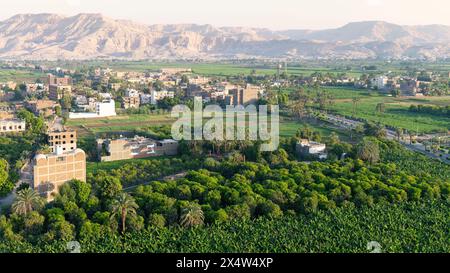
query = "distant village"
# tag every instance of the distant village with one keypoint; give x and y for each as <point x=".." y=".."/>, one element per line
<point x="103" y="92"/>
<point x="97" y="94"/>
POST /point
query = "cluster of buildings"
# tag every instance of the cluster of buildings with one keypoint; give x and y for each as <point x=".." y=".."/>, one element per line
<point x="64" y="162"/>
<point x="408" y="86"/>
<point x="134" y="98"/>
<point x="104" y="90"/>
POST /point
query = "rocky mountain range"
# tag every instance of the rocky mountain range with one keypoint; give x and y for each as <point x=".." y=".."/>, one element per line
<point x="89" y="36"/>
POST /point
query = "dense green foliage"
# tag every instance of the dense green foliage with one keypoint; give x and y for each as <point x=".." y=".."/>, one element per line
<point x="248" y="190"/>
<point x="408" y="228"/>
<point x="136" y="172"/>
<point x="220" y="193"/>
<point x="432" y="110"/>
<point x="413" y="163"/>
<point x="16" y="148"/>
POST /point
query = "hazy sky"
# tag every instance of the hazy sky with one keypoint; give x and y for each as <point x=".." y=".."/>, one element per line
<point x="274" y="14"/>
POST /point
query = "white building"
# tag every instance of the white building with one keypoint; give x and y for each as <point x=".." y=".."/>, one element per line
<point x="379" y="82"/>
<point x="159" y="95"/>
<point x="132" y="93"/>
<point x="12" y="125"/>
<point x="106" y="108"/>
<point x="311" y="148"/>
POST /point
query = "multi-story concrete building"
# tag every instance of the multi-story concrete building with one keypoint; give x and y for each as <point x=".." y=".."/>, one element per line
<point x="50" y="171"/>
<point x="379" y="82"/>
<point x="159" y="95"/>
<point x="57" y="92"/>
<point x="137" y="147"/>
<point x="243" y="96"/>
<point x="12" y="125"/>
<point x="66" y="140"/>
<point x="54" y="80"/>
<point x="409" y="87"/>
<point x="131" y="102"/>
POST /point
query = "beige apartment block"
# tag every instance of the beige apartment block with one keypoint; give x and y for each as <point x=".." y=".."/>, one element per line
<point x="244" y="96"/>
<point x="131" y="102"/>
<point x="50" y="171"/>
<point x="67" y="140"/>
<point x="53" y="80"/>
<point x="57" y="92"/>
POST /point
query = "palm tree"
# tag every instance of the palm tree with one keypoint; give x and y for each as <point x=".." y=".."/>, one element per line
<point x="399" y="133"/>
<point x="123" y="206"/>
<point x="192" y="216"/>
<point x="26" y="201"/>
<point x="355" y="105"/>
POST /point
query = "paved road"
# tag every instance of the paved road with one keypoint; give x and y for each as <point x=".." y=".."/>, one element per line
<point x="25" y="177"/>
<point x="431" y="155"/>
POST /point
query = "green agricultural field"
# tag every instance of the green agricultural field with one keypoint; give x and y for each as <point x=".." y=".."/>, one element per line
<point x="340" y="92"/>
<point x="222" y="69"/>
<point x="120" y="123"/>
<point x="128" y="123"/>
<point x="397" y="112"/>
<point x="288" y="128"/>
<point x="19" y="75"/>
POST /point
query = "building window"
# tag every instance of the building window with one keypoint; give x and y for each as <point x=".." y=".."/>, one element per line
<point x="60" y="159"/>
